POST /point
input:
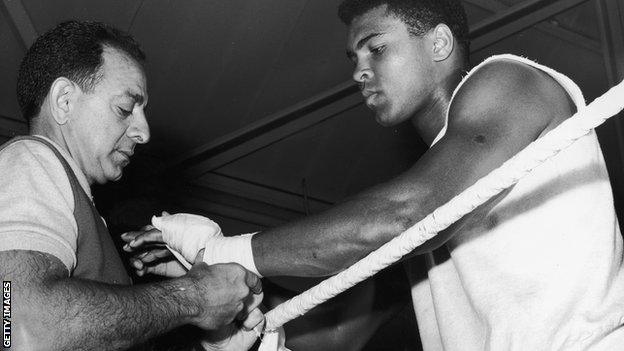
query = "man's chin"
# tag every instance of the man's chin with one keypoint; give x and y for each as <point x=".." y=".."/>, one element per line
<point x="384" y="120"/>
<point x="114" y="176"/>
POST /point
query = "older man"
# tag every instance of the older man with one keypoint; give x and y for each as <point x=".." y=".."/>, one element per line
<point x="83" y="89"/>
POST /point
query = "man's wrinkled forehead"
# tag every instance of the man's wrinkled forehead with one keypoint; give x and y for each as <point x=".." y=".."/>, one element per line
<point x="125" y="74"/>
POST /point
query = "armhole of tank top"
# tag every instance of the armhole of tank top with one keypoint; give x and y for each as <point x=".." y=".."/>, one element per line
<point x="74" y="185"/>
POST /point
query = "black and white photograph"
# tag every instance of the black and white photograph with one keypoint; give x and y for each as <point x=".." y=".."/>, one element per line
<point x="308" y="175"/>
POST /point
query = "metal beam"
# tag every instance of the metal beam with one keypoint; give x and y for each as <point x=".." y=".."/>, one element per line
<point x="516" y="19"/>
<point x="207" y="208"/>
<point x="345" y="96"/>
<point x="21" y="21"/>
<point x="234" y="207"/>
<point x="506" y="17"/>
<point x="269" y="130"/>
<point x="549" y="28"/>
<point x="489" y="5"/>
<point x="262" y="193"/>
<point x="570" y="37"/>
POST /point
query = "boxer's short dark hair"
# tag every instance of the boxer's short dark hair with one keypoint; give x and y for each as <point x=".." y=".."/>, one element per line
<point x="419" y="16"/>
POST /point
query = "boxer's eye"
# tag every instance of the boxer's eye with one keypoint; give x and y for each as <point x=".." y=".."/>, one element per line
<point x="378" y="50"/>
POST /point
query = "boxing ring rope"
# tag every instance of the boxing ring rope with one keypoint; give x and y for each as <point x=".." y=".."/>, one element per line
<point x="586" y="119"/>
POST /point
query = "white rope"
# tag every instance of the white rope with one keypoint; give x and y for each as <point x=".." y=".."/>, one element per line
<point x="484" y="189"/>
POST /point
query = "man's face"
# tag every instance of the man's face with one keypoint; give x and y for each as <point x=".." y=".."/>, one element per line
<point x="392" y="67"/>
<point x="108" y="122"/>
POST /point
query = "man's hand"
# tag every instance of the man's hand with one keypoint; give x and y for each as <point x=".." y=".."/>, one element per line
<point x="235" y="338"/>
<point x="151" y="254"/>
<point x="185" y="233"/>
<point x="226" y="292"/>
<point x="90" y="312"/>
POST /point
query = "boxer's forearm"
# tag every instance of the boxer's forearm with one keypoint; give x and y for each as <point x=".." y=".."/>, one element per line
<point x="329" y="242"/>
<point x="55" y="313"/>
<point x="317" y="245"/>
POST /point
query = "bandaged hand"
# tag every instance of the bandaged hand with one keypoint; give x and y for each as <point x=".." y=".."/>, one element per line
<point x="185" y="236"/>
<point x="188" y="234"/>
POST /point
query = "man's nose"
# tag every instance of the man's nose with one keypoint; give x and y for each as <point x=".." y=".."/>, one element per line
<point x="362" y="73"/>
<point x="139" y="129"/>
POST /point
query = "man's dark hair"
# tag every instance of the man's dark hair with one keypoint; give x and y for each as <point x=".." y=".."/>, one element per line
<point x="420" y="16"/>
<point x="73" y="50"/>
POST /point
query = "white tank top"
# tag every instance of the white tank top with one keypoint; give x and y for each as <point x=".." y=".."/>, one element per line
<point x="538" y="269"/>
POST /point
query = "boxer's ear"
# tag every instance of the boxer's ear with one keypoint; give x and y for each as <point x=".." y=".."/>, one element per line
<point x="442" y="42"/>
<point x="62" y="97"/>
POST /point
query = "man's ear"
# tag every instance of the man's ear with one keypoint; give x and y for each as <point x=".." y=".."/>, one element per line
<point x="62" y="97"/>
<point x="443" y="42"/>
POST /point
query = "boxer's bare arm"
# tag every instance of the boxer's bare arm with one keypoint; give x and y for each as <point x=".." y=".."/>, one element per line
<point x="56" y="312"/>
<point x="500" y="110"/>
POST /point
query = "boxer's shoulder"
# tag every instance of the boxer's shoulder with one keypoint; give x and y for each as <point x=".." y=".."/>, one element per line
<point x="502" y="94"/>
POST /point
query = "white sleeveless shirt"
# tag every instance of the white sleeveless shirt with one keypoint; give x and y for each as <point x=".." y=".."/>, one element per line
<point x="538" y="269"/>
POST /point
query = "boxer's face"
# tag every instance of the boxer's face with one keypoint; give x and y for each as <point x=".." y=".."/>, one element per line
<point x="392" y="67"/>
<point x="109" y="121"/>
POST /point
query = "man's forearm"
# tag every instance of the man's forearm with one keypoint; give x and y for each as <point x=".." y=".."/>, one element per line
<point x="329" y="242"/>
<point x="56" y="312"/>
<point x="314" y="246"/>
<point x="79" y="314"/>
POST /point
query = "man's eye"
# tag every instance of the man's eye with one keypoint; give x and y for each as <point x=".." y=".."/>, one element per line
<point x="124" y="112"/>
<point x="378" y="49"/>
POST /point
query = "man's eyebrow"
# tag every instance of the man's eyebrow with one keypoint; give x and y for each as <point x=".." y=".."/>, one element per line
<point x="363" y="41"/>
<point x="138" y="98"/>
<point x="367" y="38"/>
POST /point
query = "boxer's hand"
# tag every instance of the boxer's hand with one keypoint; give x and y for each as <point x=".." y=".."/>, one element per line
<point x="225" y="292"/>
<point x="184" y="233"/>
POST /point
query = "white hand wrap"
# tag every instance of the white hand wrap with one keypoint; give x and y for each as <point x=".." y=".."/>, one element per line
<point x="186" y="233"/>
<point x="231" y="249"/>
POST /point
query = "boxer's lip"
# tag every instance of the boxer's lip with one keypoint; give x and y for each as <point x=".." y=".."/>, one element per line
<point x="369" y="96"/>
<point x="368" y="93"/>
